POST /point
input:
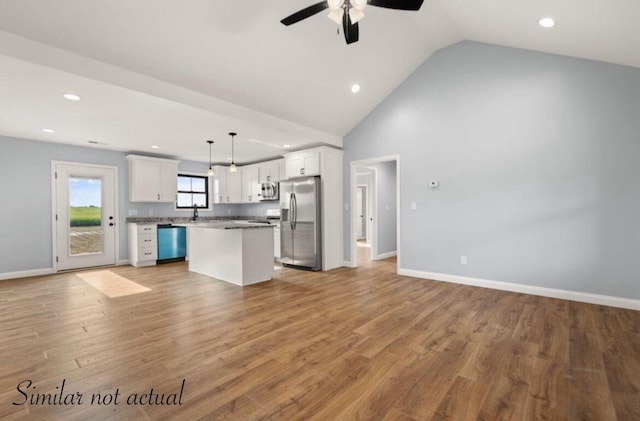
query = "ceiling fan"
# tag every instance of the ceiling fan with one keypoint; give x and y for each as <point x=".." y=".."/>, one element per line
<point x="349" y="12"/>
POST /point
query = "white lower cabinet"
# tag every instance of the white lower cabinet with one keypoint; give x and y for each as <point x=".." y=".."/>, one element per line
<point x="143" y="244"/>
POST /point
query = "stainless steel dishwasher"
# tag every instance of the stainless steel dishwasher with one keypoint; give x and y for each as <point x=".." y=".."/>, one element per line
<point x="172" y="243"/>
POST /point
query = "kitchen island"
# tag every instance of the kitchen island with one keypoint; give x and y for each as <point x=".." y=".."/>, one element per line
<point x="241" y="254"/>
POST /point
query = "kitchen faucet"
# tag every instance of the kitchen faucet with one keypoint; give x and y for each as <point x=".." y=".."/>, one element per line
<point x="195" y="212"/>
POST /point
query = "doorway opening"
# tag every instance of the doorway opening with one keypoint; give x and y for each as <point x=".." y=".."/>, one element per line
<point x="375" y="206"/>
<point x="83" y="215"/>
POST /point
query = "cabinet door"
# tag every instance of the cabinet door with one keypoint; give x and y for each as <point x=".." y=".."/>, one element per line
<point x="269" y="171"/>
<point x="168" y="180"/>
<point x="274" y="172"/>
<point x="264" y="173"/>
<point x="312" y="164"/>
<point x="250" y="184"/>
<point x="144" y="183"/>
<point x="293" y="166"/>
<point x="234" y="186"/>
<point x="220" y="184"/>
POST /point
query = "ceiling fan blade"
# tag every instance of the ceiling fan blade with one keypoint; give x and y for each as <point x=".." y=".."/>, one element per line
<point x="351" y="32"/>
<point x="398" y="4"/>
<point x="305" y="13"/>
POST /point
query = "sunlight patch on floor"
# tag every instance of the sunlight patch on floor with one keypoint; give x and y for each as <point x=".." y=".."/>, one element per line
<point x="111" y="284"/>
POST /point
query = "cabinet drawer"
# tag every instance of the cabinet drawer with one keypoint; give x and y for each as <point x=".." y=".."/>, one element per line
<point x="148" y="253"/>
<point x="147" y="240"/>
<point x="147" y="229"/>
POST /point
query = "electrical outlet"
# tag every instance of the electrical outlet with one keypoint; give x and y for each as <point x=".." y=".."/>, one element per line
<point x="463" y="260"/>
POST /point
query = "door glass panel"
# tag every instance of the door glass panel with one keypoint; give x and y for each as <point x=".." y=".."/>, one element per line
<point x="85" y="215"/>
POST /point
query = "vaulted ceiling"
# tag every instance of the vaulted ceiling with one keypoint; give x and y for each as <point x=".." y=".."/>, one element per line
<point x="173" y="74"/>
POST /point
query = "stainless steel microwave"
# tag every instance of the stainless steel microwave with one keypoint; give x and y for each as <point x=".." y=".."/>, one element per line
<point x="270" y="191"/>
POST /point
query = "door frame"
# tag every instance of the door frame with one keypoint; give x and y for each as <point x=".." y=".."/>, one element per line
<point x="354" y="215"/>
<point x="54" y="197"/>
<point x="367" y="212"/>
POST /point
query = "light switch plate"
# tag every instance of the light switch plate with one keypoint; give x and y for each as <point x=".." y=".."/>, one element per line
<point x="414" y="206"/>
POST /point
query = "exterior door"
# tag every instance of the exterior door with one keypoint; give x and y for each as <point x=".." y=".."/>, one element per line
<point x="85" y="219"/>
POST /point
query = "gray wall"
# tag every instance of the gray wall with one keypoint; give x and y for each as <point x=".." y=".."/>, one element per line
<point x="387" y="212"/>
<point x="537" y="158"/>
<point x="25" y="194"/>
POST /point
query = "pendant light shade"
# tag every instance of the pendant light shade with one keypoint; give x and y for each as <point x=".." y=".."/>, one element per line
<point x="232" y="167"/>
<point x="210" y="172"/>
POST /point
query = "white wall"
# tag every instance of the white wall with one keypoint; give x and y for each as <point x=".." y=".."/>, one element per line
<point x="537" y="158"/>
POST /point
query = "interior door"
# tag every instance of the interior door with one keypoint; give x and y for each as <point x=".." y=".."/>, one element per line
<point x="361" y="231"/>
<point x="85" y="219"/>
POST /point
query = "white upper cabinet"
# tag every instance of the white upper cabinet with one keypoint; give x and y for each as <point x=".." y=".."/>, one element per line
<point x="227" y="185"/>
<point x="152" y="179"/>
<point x="299" y="164"/>
<point x="220" y="184"/>
<point x="234" y="186"/>
<point x="270" y="171"/>
<point x="250" y="184"/>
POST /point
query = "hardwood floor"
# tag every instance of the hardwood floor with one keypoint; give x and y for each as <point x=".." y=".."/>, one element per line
<point x="347" y="344"/>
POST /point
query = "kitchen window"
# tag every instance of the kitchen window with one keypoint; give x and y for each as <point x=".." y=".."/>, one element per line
<point x="192" y="190"/>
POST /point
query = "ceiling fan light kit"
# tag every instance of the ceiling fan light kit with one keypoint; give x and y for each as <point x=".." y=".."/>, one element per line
<point x="349" y="13"/>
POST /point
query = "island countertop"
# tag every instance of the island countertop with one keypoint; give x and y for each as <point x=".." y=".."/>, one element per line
<point x="241" y="254"/>
<point x="223" y="225"/>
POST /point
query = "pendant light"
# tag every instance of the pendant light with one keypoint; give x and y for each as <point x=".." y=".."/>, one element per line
<point x="232" y="167"/>
<point x="210" y="172"/>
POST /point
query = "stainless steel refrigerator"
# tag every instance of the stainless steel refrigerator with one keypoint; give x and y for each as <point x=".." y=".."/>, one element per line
<point x="300" y="223"/>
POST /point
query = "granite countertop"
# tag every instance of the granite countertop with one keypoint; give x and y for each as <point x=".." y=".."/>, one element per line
<point x="226" y="225"/>
<point x="188" y="219"/>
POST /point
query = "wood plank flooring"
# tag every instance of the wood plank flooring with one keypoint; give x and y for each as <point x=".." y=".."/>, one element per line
<point x="347" y="344"/>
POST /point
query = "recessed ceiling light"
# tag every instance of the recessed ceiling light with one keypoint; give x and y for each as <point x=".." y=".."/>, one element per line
<point x="547" y="22"/>
<point x="286" y="146"/>
<point x="155" y="147"/>
<point x="72" y="97"/>
<point x="48" y="130"/>
<point x="355" y="88"/>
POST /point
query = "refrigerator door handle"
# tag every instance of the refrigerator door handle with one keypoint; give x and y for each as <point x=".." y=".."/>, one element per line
<point x="291" y="211"/>
<point x="295" y="211"/>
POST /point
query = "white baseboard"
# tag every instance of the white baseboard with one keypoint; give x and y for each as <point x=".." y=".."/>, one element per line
<point x="385" y="255"/>
<point x="584" y="297"/>
<point x="348" y="264"/>
<point x="26" y="273"/>
<point x="122" y="262"/>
